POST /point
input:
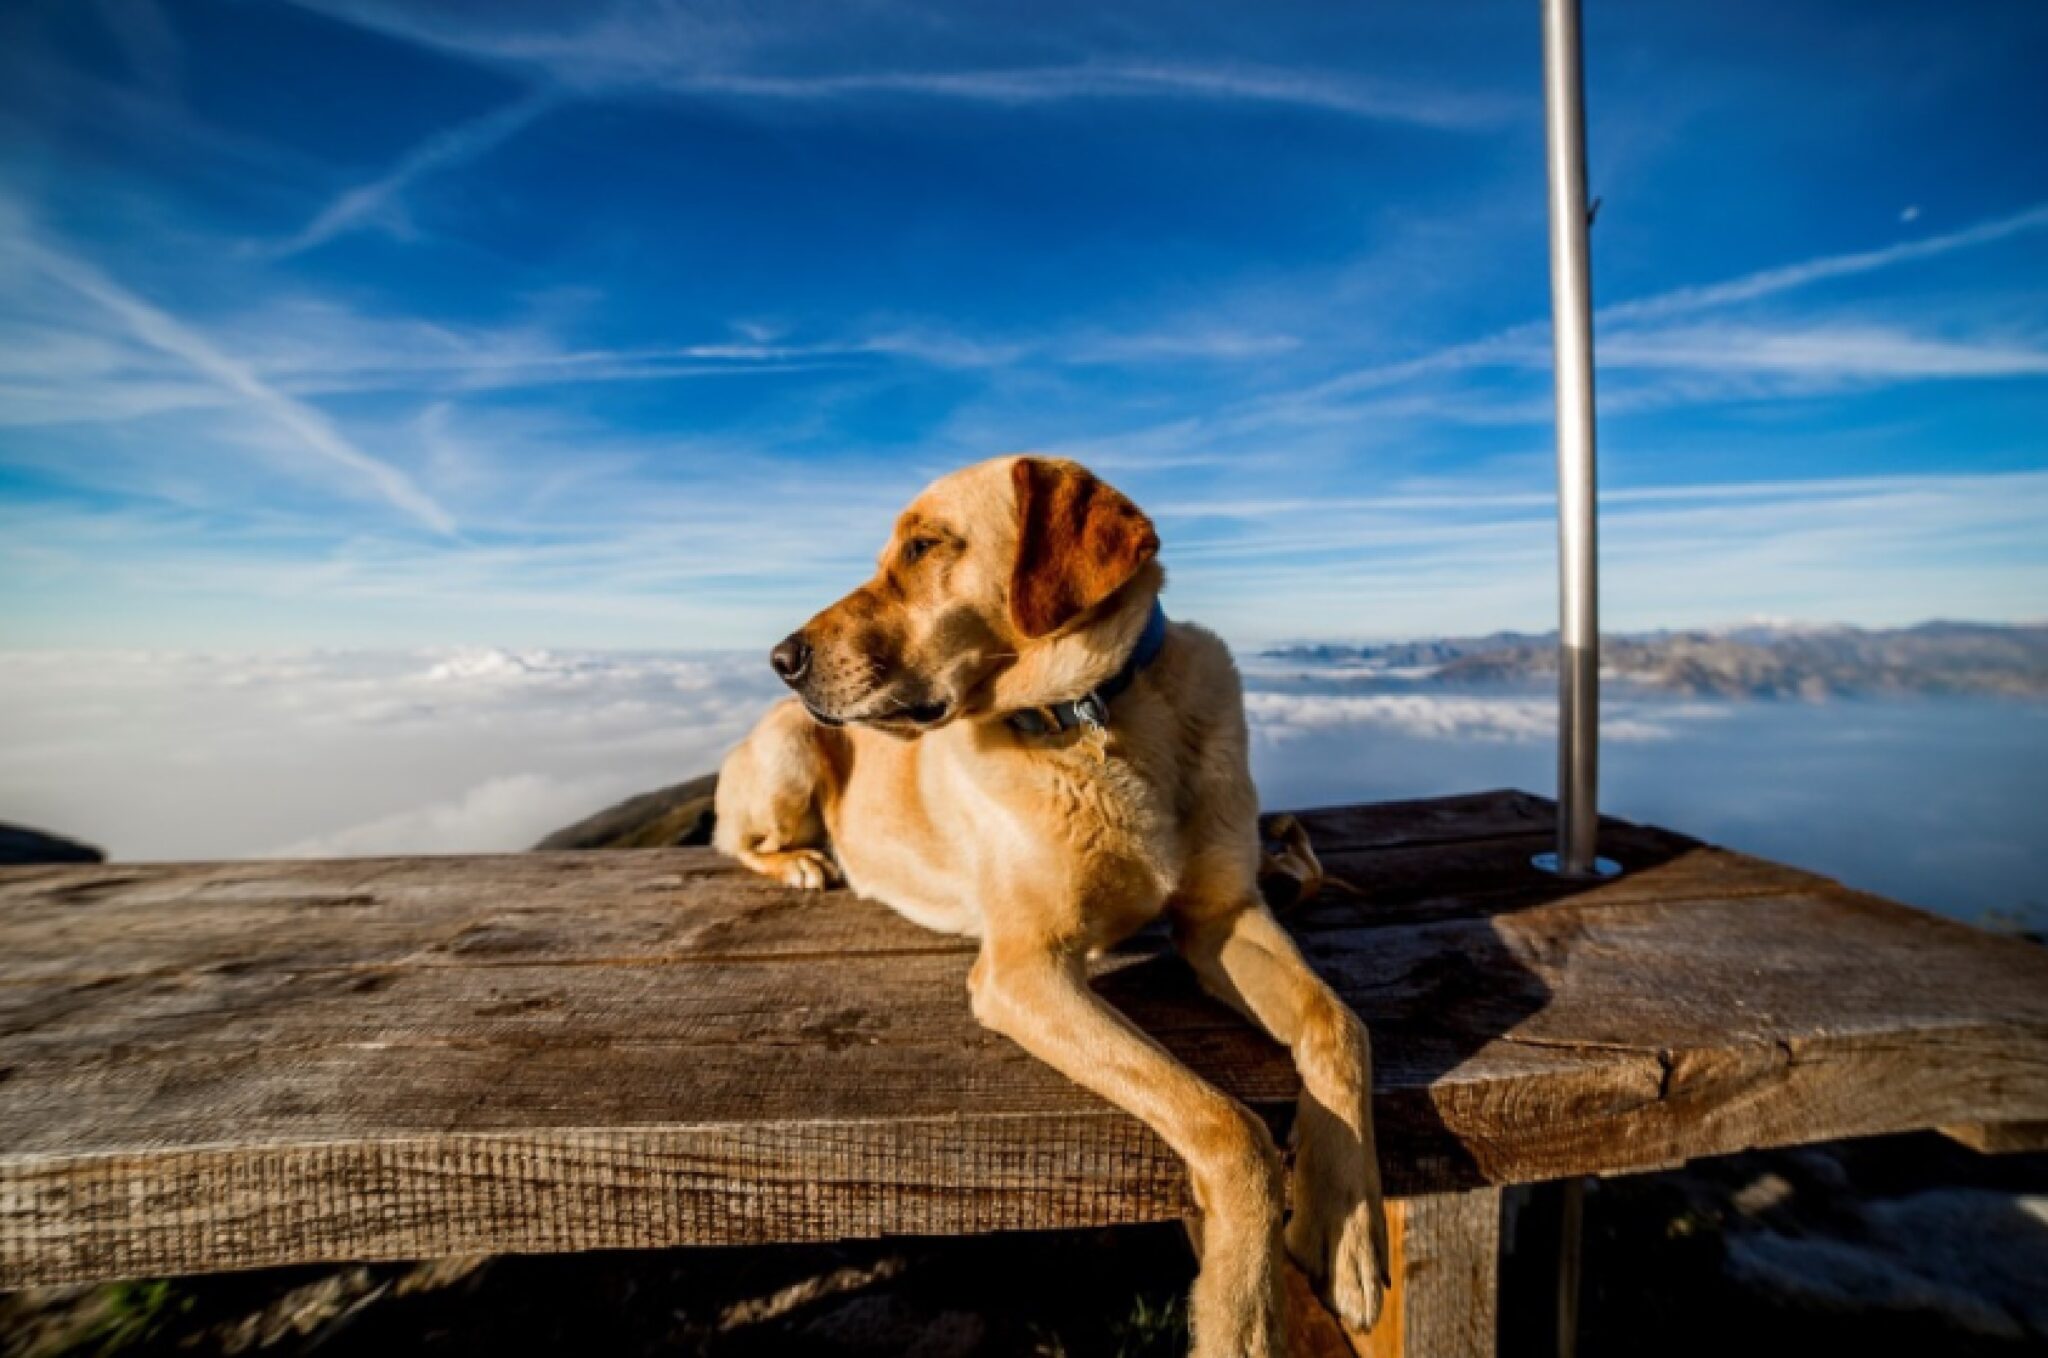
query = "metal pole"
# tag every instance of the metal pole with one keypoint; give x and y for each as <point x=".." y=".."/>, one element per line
<point x="1571" y="1253"/>
<point x="1571" y="310"/>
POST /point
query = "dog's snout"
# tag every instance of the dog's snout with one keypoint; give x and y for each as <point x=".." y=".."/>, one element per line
<point x="791" y="659"/>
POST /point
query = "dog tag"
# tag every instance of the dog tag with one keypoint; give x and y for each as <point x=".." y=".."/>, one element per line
<point x="1093" y="713"/>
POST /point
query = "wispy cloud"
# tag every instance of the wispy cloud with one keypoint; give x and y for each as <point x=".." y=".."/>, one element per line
<point x="148" y="43"/>
<point x="1213" y="344"/>
<point x="1193" y="294"/>
<point x="1798" y="356"/>
<point x="309" y="431"/>
<point x="1802" y="347"/>
<point x="1834" y="352"/>
<point x="1350" y="97"/>
<point x="380" y="200"/>
<point x="65" y="365"/>
<point x="654" y="47"/>
<point x="622" y="560"/>
<point x="1770" y="282"/>
<point x="1423" y="508"/>
<point x="59" y="367"/>
<point x="1880" y="550"/>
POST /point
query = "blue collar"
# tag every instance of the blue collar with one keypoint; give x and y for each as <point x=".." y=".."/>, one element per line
<point x="1092" y="709"/>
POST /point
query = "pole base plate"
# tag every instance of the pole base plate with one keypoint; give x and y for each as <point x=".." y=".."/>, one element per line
<point x="1554" y="865"/>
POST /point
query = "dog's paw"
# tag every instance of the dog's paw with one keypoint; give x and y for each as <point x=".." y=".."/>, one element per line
<point x="806" y="869"/>
<point x="1345" y="1254"/>
<point x="1257" y="1329"/>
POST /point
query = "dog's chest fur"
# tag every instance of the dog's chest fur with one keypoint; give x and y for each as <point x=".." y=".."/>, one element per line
<point x="983" y="817"/>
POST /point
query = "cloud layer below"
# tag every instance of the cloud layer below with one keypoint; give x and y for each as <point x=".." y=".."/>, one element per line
<point x="186" y="755"/>
<point x="166" y="755"/>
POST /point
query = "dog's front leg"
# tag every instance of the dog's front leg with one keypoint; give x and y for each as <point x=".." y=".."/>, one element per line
<point x="1339" y="1231"/>
<point x="768" y="797"/>
<point x="1036" y="993"/>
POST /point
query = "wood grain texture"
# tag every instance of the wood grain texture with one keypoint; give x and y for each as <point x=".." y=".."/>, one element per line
<point x="1450" y="1252"/>
<point x="208" y="1066"/>
<point x="1445" y="1251"/>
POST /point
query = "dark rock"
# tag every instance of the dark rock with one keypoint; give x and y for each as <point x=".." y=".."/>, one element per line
<point x="19" y="844"/>
<point x="1886" y="1245"/>
<point x="1835" y="1276"/>
<point x="1988" y="1245"/>
<point x="682" y="814"/>
<point x="885" y="1325"/>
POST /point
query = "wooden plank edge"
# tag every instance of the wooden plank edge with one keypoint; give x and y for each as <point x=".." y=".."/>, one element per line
<point x="1658" y="1109"/>
<point x="84" y="1218"/>
<point x="146" y="1212"/>
<point x="2000" y="1138"/>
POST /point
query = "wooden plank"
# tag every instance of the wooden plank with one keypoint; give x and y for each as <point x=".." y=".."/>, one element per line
<point x="84" y="924"/>
<point x="1476" y="1014"/>
<point x="1445" y="1258"/>
<point x="1451" y="1265"/>
<point x="213" y="1066"/>
<point x="626" y="905"/>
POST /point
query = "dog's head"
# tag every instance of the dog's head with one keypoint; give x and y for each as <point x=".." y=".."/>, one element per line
<point x="1012" y="583"/>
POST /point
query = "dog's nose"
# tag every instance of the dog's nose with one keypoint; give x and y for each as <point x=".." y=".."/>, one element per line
<point x="791" y="659"/>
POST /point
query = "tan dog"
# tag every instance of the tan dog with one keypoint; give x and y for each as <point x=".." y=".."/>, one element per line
<point x="1009" y="588"/>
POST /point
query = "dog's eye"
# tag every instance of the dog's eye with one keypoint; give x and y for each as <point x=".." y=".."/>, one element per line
<point x="914" y="550"/>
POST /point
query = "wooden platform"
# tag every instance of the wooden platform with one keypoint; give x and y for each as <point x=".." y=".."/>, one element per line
<point x="230" y="1065"/>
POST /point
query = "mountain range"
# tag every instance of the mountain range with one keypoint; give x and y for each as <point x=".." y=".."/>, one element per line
<point x="1763" y="661"/>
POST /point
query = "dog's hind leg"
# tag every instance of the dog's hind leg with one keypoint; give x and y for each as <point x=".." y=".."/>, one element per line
<point x="770" y="792"/>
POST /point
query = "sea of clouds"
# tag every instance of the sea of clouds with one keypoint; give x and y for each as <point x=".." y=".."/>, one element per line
<point x="179" y="754"/>
<point x="189" y="755"/>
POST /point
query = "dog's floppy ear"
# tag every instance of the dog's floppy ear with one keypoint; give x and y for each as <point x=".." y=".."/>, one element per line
<point x="1078" y="542"/>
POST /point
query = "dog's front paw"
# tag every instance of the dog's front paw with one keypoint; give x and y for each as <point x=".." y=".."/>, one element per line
<point x="806" y="869"/>
<point x="1344" y="1252"/>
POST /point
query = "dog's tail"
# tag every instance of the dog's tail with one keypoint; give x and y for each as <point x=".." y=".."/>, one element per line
<point x="1290" y="874"/>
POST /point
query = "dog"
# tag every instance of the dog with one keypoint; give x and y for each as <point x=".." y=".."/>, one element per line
<point x="999" y="735"/>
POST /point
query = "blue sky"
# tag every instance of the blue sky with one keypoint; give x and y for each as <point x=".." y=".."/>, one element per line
<point x="344" y="324"/>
